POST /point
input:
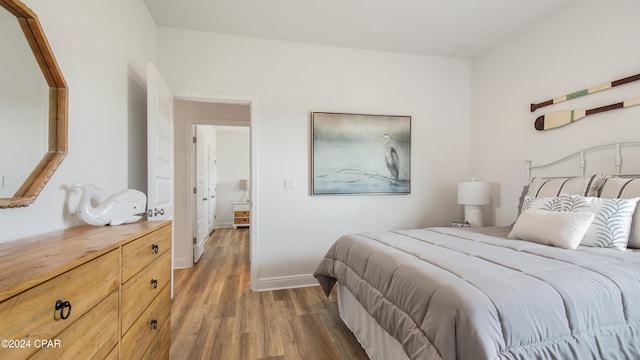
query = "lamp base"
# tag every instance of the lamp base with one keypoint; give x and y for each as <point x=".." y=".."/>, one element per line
<point x="473" y="215"/>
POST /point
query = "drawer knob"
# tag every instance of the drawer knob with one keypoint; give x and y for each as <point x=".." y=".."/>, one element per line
<point x="154" y="324"/>
<point x="155" y="248"/>
<point x="154" y="283"/>
<point x="62" y="305"/>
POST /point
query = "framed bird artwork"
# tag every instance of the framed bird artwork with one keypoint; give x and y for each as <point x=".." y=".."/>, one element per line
<point x="358" y="154"/>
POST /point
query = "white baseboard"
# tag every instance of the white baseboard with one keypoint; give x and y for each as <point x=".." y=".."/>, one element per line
<point x="286" y="282"/>
<point x="182" y="263"/>
<point x="224" y="225"/>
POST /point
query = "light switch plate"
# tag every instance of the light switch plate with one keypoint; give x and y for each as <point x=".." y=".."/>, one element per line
<point x="290" y="183"/>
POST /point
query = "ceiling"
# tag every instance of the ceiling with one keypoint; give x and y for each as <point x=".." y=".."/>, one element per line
<point x="451" y="28"/>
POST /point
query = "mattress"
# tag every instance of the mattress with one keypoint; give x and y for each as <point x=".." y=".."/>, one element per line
<point x="446" y="293"/>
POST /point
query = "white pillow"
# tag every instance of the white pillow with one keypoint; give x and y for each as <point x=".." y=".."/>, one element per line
<point x="556" y="228"/>
<point x="611" y="226"/>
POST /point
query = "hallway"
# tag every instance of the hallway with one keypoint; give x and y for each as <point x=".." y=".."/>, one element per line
<point x="214" y="315"/>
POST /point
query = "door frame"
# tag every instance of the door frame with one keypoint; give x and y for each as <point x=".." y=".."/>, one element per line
<point x="253" y="160"/>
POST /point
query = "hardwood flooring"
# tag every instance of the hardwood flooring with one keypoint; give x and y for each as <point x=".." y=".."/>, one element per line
<point x="214" y="315"/>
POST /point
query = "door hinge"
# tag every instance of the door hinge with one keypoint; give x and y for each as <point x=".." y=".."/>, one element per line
<point x="195" y="190"/>
<point x="194" y="139"/>
<point x="195" y="241"/>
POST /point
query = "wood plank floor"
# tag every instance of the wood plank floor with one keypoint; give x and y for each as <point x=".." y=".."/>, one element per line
<point x="214" y="315"/>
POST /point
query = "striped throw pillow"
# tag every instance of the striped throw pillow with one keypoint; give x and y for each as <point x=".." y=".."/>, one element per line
<point x="587" y="185"/>
<point x="541" y="187"/>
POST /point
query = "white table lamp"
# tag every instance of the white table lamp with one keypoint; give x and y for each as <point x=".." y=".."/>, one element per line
<point x="244" y="186"/>
<point x="473" y="194"/>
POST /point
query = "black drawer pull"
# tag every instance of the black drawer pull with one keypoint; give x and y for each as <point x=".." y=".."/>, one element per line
<point x="154" y="324"/>
<point x="154" y="283"/>
<point x="155" y="248"/>
<point x="61" y="305"/>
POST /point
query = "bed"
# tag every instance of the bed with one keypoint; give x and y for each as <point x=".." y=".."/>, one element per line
<point x="502" y="292"/>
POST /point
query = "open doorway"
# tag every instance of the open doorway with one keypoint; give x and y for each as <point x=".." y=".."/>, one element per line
<point x="221" y="172"/>
<point x="188" y="114"/>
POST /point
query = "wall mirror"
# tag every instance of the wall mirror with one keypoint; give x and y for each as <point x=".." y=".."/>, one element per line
<point x="33" y="107"/>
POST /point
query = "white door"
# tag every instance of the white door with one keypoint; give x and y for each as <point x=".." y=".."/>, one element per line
<point x="202" y="193"/>
<point x="213" y="182"/>
<point x="159" y="147"/>
<point x="159" y="150"/>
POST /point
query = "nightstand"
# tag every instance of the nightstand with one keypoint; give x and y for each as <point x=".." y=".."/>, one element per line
<point x="241" y="214"/>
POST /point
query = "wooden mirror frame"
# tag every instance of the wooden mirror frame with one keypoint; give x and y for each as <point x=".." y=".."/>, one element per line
<point x="58" y="99"/>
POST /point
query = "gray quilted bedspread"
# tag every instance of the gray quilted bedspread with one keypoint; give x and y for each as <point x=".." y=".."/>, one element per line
<point x="448" y="293"/>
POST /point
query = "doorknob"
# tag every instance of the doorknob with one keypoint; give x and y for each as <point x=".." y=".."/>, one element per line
<point x="204" y="198"/>
<point x="155" y="212"/>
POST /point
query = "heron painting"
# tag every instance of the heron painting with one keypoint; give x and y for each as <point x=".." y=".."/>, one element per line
<point x="360" y="154"/>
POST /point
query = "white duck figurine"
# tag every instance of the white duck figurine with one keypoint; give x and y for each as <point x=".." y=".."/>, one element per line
<point x="123" y="207"/>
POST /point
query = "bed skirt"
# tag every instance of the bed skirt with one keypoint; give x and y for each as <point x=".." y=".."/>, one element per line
<point x="375" y="341"/>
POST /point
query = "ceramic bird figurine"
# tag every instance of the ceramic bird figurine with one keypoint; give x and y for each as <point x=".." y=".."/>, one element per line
<point x="124" y="207"/>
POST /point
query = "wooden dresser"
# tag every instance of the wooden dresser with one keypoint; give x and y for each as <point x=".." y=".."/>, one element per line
<point x="87" y="293"/>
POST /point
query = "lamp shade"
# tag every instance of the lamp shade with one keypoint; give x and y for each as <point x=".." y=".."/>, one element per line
<point x="473" y="193"/>
<point x="243" y="184"/>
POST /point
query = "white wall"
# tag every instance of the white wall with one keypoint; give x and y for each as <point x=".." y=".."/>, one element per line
<point x="102" y="49"/>
<point x="583" y="44"/>
<point x="285" y="82"/>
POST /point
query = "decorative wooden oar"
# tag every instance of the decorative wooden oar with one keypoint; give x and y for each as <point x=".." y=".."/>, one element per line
<point x="584" y="92"/>
<point x="561" y="118"/>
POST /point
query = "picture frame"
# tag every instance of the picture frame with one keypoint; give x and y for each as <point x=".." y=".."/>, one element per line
<point x="360" y="154"/>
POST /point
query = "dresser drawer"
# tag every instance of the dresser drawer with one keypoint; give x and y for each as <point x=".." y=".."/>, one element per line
<point x="241" y="221"/>
<point x="141" y="252"/>
<point x="32" y="314"/>
<point x="93" y="336"/>
<point x="142" y="334"/>
<point x="159" y="348"/>
<point x="241" y="213"/>
<point x="141" y="289"/>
